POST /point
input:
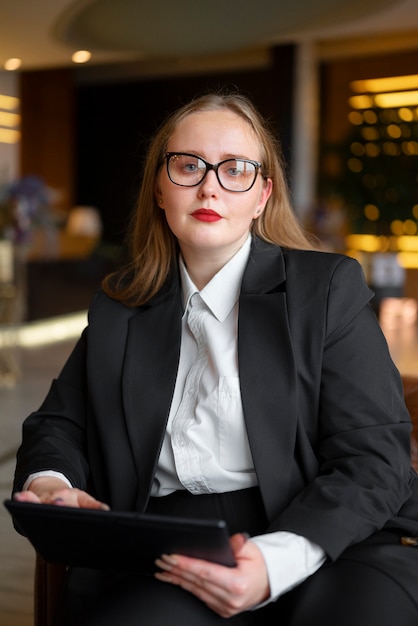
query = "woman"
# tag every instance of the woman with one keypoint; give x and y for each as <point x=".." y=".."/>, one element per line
<point x="232" y="371"/>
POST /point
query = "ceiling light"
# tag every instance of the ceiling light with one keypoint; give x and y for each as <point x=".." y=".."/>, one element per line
<point x="81" y="56"/>
<point x="12" y="64"/>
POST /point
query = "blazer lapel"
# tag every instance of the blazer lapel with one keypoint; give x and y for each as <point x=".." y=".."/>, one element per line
<point x="149" y="376"/>
<point x="268" y="373"/>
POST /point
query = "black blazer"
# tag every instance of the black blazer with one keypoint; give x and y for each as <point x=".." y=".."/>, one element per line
<point x="322" y="400"/>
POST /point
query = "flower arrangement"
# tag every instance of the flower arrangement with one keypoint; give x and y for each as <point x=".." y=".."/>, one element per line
<point x="24" y="205"/>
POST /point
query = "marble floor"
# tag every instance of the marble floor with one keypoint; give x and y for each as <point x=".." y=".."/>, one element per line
<point x="37" y="366"/>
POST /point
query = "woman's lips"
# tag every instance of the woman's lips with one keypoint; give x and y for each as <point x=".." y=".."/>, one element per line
<point x="206" y="215"/>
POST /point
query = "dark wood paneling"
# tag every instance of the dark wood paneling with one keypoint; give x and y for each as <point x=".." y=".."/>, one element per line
<point x="48" y="130"/>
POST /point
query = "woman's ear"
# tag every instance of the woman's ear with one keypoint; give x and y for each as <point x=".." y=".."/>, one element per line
<point x="159" y="196"/>
<point x="264" y="196"/>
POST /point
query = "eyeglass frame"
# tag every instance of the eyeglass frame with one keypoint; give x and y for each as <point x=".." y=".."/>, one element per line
<point x="213" y="166"/>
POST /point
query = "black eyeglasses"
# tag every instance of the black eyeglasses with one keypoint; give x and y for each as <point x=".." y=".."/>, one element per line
<point x="188" y="170"/>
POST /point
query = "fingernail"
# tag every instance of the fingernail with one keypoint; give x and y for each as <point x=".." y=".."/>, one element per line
<point x="163" y="577"/>
<point x="169" y="559"/>
<point x="58" y="501"/>
<point x="162" y="564"/>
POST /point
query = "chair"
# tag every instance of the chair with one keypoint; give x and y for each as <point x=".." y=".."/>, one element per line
<point x="48" y="583"/>
<point x="49" y="576"/>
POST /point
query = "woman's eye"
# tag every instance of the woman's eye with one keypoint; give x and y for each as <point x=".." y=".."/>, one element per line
<point x="235" y="169"/>
<point x="190" y="167"/>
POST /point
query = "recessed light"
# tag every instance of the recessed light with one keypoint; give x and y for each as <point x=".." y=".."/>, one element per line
<point x="81" y="56"/>
<point x="12" y="64"/>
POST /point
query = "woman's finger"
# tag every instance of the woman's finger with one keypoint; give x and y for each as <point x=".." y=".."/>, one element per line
<point x="26" y="496"/>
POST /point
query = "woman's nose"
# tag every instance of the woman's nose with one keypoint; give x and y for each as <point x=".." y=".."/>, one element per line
<point x="209" y="185"/>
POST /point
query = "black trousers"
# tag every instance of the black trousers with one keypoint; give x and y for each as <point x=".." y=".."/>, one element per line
<point x="372" y="584"/>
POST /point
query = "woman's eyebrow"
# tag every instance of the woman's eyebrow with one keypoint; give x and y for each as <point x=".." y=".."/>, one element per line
<point x="225" y="156"/>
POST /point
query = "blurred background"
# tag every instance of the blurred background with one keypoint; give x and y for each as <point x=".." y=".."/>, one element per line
<point x="83" y="85"/>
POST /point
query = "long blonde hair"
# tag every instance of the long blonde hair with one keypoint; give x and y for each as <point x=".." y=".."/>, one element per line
<point x="152" y="246"/>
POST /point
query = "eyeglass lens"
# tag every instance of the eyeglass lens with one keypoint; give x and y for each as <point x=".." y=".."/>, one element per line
<point x="233" y="174"/>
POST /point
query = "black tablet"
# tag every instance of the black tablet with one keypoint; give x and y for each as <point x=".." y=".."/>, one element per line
<point x="125" y="542"/>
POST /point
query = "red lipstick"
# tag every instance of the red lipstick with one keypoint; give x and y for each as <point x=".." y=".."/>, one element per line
<point x="206" y="215"/>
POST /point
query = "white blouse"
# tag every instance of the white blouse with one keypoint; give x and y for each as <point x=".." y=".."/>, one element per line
<point x="205" y="447"/>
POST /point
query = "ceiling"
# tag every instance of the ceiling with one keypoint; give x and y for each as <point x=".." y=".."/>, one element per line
<point x="45" y="33"/>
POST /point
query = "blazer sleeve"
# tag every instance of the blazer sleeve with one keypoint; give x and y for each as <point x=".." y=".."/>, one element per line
<point x="54" y="435"/>
<point x="362" y="425"/>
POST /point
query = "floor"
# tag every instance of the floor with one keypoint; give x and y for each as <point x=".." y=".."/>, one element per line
<point x="37" y="367"/>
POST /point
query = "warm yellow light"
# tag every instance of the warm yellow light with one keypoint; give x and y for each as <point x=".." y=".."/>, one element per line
<point x="415" y="211"/>
<point x="410" y="147"/>
<point x="8" y="135"/>
<point x="13" y="64"/>
<point x="395" y="99"/>
<point x="392" y="83"/>
<point x="371" y="212"/>
<point x="367" y="243"/>
<point x="372" y="150"/>
<point x="355" y="118"/>
<point x="410" y="227"/>
<point x="361" y="102"/>
<point x="9" y="119"/>
<point x="355" y="254"/>
<point x="408" y="244"/>
<point x="370" y="117"/>
<point x="81" y="56"/>
<point x="406" y="114"/>
<point x="408" y="260"/>
<point x="394" y="131"/>
<point x="396" y="227"/>
<point x="9" y="103"/>
<point x="370" y="133"/>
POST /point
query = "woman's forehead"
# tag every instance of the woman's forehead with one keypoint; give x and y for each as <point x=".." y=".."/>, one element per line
<point x="214" y="127"/>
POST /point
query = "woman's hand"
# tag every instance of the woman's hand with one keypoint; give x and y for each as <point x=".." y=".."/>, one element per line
<point x="48" y="490"/>
<point x="225" y="590"/>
